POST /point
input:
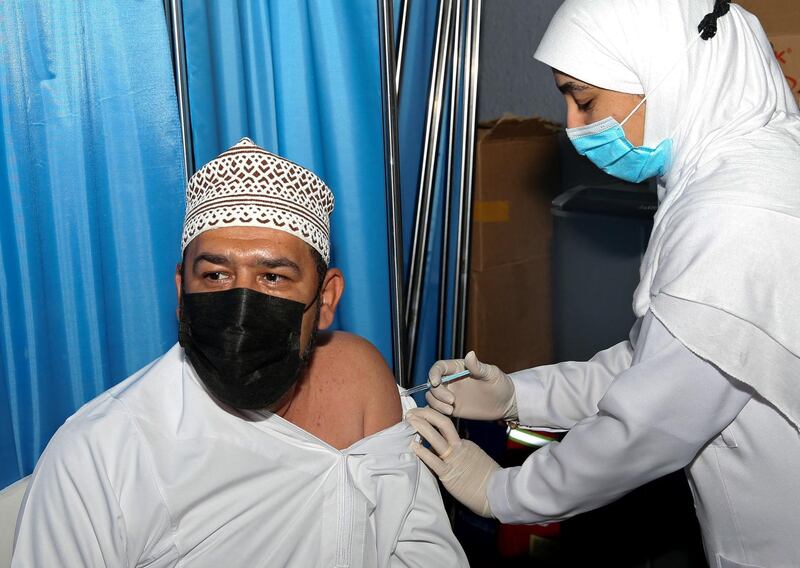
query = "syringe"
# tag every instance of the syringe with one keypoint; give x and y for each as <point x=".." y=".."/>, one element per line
<point x="427" y="385"/>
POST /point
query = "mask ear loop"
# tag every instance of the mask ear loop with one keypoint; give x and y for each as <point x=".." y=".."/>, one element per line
<point x="183" y="293"/>
<point x="678" y="61"/>
<point x="316" y="296"/>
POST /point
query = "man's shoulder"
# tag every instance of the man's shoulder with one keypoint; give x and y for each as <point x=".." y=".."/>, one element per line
<point x="106" y="415"/>
<point x="94" y="434"/>
<point x="347" y="355"/>
<point x="354" y="363"/>
<point x="343" y="344"/>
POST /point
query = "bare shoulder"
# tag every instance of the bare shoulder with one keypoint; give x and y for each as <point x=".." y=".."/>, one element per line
<point x="359" y="365"/>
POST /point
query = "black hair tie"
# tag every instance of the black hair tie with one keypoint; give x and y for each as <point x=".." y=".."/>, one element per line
<point x="708" y="25"/>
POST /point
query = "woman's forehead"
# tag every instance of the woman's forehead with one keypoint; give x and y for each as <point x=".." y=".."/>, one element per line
<point x="568" y="83"/>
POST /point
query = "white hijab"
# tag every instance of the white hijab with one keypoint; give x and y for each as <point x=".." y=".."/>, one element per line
<point x="722" y="270"/>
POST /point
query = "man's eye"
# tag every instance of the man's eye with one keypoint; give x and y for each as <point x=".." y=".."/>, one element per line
<point x="216" y="276"/>
<point x="272" y="277"/>
<point x="585" y="105"/>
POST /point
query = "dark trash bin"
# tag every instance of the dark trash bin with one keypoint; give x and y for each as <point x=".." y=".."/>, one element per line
<point x="599" y="237"/>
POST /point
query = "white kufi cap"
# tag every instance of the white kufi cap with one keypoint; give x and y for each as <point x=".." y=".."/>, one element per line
<point x="246" y="186"/>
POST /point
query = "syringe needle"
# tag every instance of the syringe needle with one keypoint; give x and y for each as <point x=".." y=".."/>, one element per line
<point x="427" y="385"/>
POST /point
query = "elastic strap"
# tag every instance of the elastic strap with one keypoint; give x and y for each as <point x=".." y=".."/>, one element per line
<point x="678" y="61"/>
<point x="316" y="296"/>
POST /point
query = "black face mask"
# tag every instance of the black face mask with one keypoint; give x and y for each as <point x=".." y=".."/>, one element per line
<point x="244" y="345"/>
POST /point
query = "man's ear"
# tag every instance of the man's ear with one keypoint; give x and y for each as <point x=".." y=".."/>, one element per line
<point x="331" y="292"/>
<point x="179" y="287"/>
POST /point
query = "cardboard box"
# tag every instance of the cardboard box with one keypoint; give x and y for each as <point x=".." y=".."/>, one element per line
<point x="510" y="315"/>
<point x="509" y="319"/>
<point x="781" y="21"/>
<point x="516" y="178"/>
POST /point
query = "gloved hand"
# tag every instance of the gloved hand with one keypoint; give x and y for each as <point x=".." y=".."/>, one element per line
<point x="487" y="394"/>
<point x="462" y="466"/>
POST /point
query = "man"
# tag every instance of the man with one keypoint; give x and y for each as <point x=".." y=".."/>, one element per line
<point x="244" y="445"/>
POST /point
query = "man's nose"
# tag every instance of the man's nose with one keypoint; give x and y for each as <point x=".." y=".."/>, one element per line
<point x="245" y="279"/>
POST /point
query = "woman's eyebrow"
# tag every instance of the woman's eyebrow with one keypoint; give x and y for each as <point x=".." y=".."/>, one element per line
<point x="571" y="87"/>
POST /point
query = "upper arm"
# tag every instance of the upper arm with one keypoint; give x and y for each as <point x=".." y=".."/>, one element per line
<point x="382" y="405"/>
<point x="654" y="419"/>
<point x="671" y="389"/>
<point x="426" y="538"/>
<point x="370" y="379"/>
<point x="93" y="500"/>
<point x="70" y="516"/>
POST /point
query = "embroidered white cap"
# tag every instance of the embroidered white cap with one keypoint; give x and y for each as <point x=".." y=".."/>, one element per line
<point x="246" y="186"/>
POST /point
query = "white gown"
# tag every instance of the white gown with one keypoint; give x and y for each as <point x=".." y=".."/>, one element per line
<point x="153" y="473"/>
<point x="647" y="407"/>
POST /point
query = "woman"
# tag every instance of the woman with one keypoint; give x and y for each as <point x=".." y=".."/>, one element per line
<point x="710" y="379"/>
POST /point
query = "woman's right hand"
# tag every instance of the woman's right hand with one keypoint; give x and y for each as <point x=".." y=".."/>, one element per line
<point x="486" y="394"/>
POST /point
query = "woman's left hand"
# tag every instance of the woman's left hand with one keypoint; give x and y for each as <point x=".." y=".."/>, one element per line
<point x="461" y="465"/>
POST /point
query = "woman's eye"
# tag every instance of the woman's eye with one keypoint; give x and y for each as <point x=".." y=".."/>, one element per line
<point x="583" y="107"/>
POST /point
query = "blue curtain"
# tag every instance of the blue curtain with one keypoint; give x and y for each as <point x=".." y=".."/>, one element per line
<point x="91" y="199"/>
<point x="302" y="79"/>
<point x="413" y="98"/>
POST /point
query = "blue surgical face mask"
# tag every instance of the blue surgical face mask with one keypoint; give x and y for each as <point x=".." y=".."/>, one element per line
<point x="605" y="144"/>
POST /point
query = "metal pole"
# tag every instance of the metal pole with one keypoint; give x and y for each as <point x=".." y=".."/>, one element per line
<point x="174" y="12"/>
<point x="455" y="75"/>
<point x="393" y="211"/>
<point x="405" y="9"/>
<point x="464" y="224"/>
<point x="419" y="241"/>
<point x="467" y="173"/>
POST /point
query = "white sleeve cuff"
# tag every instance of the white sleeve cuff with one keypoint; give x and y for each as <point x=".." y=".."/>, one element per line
<point x="531" y="398"/>
<point x="497" y="494"/>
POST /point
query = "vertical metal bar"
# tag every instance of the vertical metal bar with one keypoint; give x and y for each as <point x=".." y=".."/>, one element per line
<point x="173" y="10"/>
<point x="467" y="174"/>
<point x="419" y="242"/>
<point x="393" y="204"/>
<point x="405" y="9"/>
<point x="455" y="75"/>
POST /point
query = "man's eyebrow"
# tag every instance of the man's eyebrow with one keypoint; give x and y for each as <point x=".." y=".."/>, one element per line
<point x="219" y="259"/>
<point x="571" y="87"/>
<point x="263" y="261"/>
<point x="280" y="262"/>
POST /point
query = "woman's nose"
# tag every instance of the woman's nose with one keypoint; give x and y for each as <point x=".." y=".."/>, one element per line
<point x="574" y="116"/>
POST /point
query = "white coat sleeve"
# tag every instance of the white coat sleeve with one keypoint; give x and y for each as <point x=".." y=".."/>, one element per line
<point x="89" y="504"/>
<point x="653" y="419"/>
<point x="559" y="396"/>
<point x="426" y="538"/>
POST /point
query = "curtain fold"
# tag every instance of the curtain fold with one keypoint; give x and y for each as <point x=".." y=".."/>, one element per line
<point x="413" y="98"/>
<point x="302" y="79"/>
<point x="91" y="199"/>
